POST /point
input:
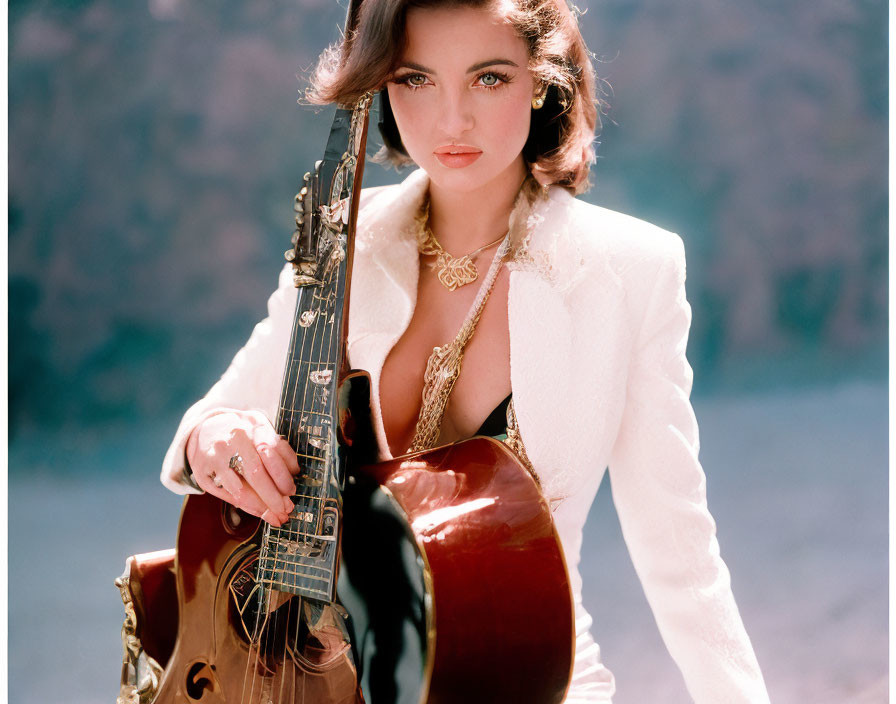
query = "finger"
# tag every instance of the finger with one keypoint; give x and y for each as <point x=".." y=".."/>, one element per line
<point x="264" y="434"/>
<point x="256" y="475"/>
<point x="288" y="454"/>
<point x="224" y="453"/>
<point x="249" y="502"/>
<point x="206" y="477"/>
<point x="252" y="503"/>
<point x="272" y="519"/>
<point x="277" y="470"/>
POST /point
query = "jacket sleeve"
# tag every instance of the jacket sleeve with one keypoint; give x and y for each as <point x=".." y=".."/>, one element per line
<point x="659" y="490"/>
<point x="252" y="381"/>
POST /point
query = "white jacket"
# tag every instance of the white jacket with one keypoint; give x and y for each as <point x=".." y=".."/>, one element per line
<point x="598" y="328"/>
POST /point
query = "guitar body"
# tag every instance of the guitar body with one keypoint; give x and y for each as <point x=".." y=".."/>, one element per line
<point x="456" y="580"/>
<point x="452" y="575"/>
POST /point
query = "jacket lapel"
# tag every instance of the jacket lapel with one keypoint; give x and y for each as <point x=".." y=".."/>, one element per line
<point x="567" y="341"/>
<point x="384" y="270"/>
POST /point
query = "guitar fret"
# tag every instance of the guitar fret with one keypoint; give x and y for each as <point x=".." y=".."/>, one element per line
<point x="311" y="457"/>
<point x="324" y="594"/>
<point x="303" y="575"/>
<point x="285" y="570"/>
<point x="307" y="496"/>
<point x="313" y="536"/>
<point x="302" y="411"/>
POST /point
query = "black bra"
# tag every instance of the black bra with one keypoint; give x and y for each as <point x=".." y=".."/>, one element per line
<point x="496" y="423"/>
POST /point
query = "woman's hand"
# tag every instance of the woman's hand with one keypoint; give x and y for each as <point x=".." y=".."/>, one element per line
<point x="238" y="457"/>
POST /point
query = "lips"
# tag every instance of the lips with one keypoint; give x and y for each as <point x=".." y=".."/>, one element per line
<point x="456" y="149"/>
<point x="456" y="156"/>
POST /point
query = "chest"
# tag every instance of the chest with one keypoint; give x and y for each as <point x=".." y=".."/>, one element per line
<point x="484" y="380"/>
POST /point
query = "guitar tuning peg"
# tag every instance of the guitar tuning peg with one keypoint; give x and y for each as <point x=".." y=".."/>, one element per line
<point x="300" y="219"/>
<point x="307" y="176"/>
<point x="295" y="236"/>
<point x="297" y="204"/>
<point x="289" y="255"/>
<point x="317" y="164"/>
<point x="304" y="191"/>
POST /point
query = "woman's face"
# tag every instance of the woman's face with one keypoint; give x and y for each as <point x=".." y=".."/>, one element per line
<point x="461" y="97"/>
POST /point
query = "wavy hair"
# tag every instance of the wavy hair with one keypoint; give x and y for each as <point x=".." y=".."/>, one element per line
<point x="560" y="146"/>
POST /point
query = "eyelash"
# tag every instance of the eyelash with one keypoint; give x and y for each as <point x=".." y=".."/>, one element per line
<point x="405" y="80"/>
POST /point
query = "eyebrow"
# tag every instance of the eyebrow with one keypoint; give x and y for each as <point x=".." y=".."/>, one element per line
<point x="472" y="69"/>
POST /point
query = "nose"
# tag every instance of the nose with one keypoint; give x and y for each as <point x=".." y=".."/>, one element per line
<point x="455" y="113"/>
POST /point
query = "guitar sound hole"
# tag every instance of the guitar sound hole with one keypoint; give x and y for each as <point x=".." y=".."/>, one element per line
<point x="235" y="521"/>
<point x="261" y="620"/>
<point x="199" y="680"/>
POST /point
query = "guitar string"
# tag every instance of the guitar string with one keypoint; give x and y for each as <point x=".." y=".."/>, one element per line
<point x="301" y="373"/>
<point x="264" y="592"/>
<point x="303" y="376"/>
<point x="328" y="306"/>
<point x="255" y="638"/>
<point x="332" y="353"/>
<point x="307" y="498"/>
<point x="296" y="369"/>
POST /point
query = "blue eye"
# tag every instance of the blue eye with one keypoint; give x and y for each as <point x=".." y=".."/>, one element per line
<point x="493" y="79"/>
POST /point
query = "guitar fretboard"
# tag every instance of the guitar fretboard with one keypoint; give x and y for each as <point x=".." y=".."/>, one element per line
<point x="301" y="556"/>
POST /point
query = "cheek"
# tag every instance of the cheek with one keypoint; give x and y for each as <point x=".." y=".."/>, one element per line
<point x="504" y="125"/>
<point x="410" y="115"/>
<point x="511" y="117"/>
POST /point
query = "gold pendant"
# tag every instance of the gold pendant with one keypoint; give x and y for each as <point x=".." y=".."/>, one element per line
<point x="454" y="273"/>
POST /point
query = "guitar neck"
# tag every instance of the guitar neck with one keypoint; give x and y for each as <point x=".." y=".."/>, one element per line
<point x="302" y="555"/>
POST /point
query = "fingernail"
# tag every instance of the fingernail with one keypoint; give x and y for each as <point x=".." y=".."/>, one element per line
<point x="288" y="505"/>
<point x="270" y="518"/>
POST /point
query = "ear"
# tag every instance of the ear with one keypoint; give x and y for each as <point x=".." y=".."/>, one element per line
<point x="545" y="126"/>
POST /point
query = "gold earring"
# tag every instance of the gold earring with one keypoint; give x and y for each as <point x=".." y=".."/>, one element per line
<point x="538" y="99"/>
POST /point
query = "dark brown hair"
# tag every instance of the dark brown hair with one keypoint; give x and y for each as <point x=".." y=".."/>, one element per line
<point x="560" y="147"/>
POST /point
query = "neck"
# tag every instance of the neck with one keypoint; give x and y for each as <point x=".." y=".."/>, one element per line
<point x="465" y="221"/>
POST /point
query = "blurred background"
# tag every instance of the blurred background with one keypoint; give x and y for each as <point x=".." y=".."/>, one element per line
<point x="154" y="151"/>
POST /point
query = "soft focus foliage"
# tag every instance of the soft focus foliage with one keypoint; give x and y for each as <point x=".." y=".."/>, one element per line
<point x="155" y="148"/>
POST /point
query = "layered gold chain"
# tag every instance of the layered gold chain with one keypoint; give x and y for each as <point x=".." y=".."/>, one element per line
<point x="443" y="365"/>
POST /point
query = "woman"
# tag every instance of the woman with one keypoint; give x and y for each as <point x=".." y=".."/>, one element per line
<point x="577" y="314"/>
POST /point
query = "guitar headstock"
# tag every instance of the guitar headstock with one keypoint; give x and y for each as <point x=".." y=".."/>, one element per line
<point x="304" y="255"/>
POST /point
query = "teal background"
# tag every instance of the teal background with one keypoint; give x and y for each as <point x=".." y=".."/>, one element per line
<point x="154" y="150"/>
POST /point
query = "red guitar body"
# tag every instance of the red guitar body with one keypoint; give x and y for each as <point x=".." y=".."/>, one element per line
<point x="452" y="573"/>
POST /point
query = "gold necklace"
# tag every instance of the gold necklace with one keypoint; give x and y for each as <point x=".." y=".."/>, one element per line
<point x="454" y="272"/>
<point x="444" y="364"/>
